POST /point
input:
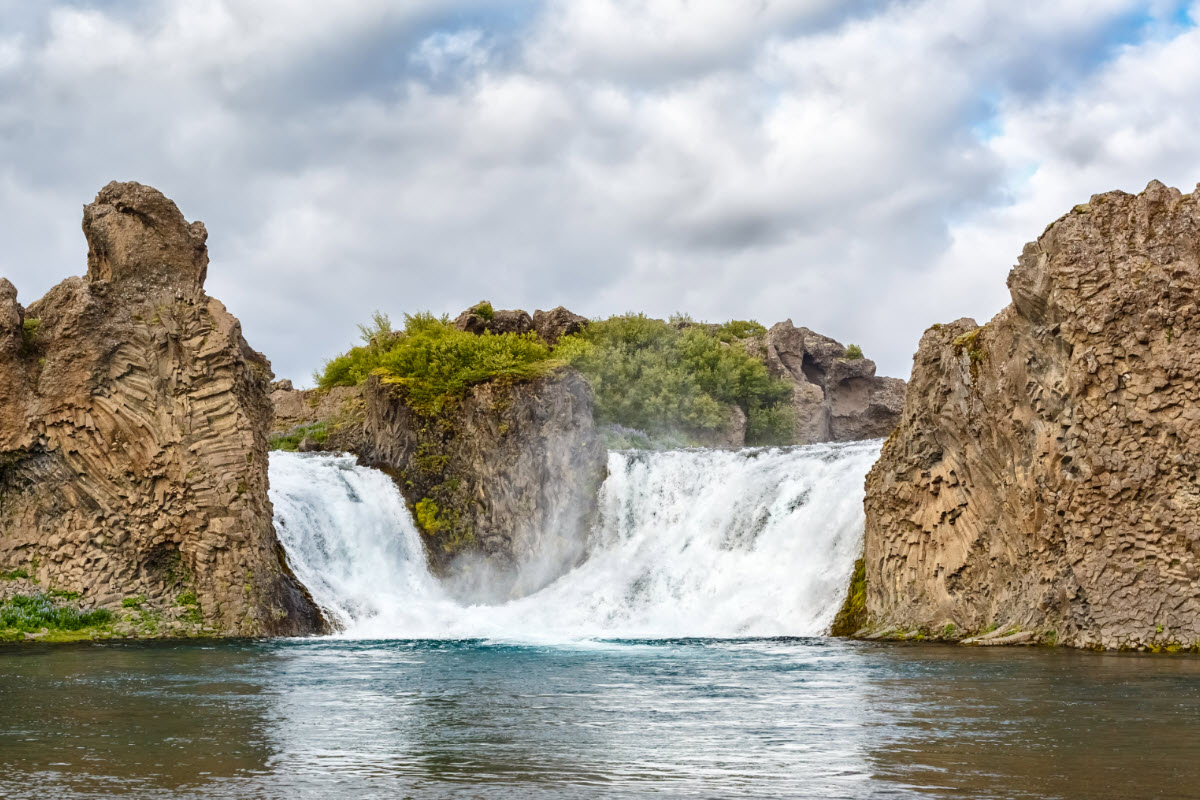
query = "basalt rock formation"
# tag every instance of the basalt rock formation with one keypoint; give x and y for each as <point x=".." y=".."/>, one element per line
<point x="133" y="420"/>
<point x="836" y="398"/>
<point x="504" y="485"/>
<point x="1043" y="479"/>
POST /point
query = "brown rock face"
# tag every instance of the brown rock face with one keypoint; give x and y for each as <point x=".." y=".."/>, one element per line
<point x="837" y="399"/>
<point x="504" y="488"/>
<point x="1044" y="474"/>
<point x="133" y="419"/>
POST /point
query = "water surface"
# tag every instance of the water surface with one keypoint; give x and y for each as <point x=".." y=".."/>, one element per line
<point x="678" y="718"/>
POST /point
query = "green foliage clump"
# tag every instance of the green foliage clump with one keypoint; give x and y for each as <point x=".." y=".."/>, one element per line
<point x="853" y="352"/>
<point x="484" y="309"/>
<point x="433" y="364"/>
<point x="853" y="614"/>
<point x="429" y="517"/>
<point x="29" y="332"/>
<point x="28" y="613"/>
<point x="133" y="602"/>
<point x="187" y="598"/>
<point x="738" y="329"/>
<point x="14" y="574"/>
<point x="660" y="378"/>
<point x="289" y="441"/>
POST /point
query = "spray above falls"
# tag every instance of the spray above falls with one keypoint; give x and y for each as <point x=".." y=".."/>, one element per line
<point x="705" y="543"/>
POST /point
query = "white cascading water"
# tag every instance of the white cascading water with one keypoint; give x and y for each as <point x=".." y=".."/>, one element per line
<point x="690" y="543"/>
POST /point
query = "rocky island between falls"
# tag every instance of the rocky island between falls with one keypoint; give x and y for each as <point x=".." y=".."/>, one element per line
<point x="1037" y="483"/>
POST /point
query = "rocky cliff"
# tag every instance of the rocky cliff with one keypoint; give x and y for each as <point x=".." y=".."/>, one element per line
<point x="836" y="395"/>
<point x="133" y="420"/>
<point x="1042" y="483"/>
<point x="504" y="487"/>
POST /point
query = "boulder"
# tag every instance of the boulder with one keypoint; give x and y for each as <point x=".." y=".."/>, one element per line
<point x="556" y="323"/>
<point x="482" y="318"/>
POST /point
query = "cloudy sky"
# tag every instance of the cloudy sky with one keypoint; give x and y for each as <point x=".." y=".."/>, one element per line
<point x="863" y="168"/>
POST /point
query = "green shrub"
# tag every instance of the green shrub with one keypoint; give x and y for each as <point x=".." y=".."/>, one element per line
<point x="289" y="441"/>
<point x="649" y="375"/>
<point x="737" y="329"/>
<point x="28" y="613"/>
<point x="133" y="602"/>
<point x="484" y="309"/>
<point x="433" y="364"/>
<point x="187" y="598"/>
<point x="853" y="352"/>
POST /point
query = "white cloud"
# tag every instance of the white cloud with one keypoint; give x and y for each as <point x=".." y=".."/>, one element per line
<point x="865" y="169"/>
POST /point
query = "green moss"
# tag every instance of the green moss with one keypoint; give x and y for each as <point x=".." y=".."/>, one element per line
<point x="853" y="614"/>
<point x="187" y="598"/>
<point x="29" y="331"/>
<point x="971" y="344"/>
<point x="484" y="309"/>
<point x="429" y="517"/>
<point x="853" y="352"/>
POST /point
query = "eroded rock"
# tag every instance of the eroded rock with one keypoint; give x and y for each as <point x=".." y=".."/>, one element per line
<point x="133" y="421"/>
<point x="1044" y="473"/>
<point x="836" y="398"/>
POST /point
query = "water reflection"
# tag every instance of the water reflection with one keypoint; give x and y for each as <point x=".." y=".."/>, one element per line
<point x="790" y="718"/>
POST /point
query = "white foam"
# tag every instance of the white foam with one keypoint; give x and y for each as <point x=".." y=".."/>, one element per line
<point x="705" y="543"/>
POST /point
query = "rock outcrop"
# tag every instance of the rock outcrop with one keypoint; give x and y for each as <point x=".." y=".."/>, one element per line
<point x="1043" y="478"/>
<point x="133" y="421"/>
<point x="556" y="323"/>
<point x="836" y="398"/>
<point x="504" y="487"/>
<point x="481" y="318"/>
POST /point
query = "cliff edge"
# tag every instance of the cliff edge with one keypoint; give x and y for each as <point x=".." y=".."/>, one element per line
<point x="1042" y="483"/>
<point x="133" y="423"/>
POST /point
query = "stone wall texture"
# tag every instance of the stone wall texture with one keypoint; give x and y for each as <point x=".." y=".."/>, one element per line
<point x="1044" y="473"/>
<point x="133" y="423"/>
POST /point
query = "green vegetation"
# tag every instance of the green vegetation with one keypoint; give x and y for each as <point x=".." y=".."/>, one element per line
<point x="23" y="614"/>
<point x="429" y="516"/>
<point x="29" y="332"/>
<point x="738" y="329"/>
<point x="15" y="574"/>
<point x="484" y="309"/>
<point x="969" y="342"/>
<point x="678" y="379"/>
<point x="853" y="352"/>
<point x="290" y="440"/>
<point x="433" y="364"/>
<point x="853" y="615"/>
<point x="133" y="602"/>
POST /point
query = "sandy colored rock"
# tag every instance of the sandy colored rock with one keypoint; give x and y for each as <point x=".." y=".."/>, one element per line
<point x="133" y="420"/>
<point x="1044" y="473"/>
<point x="836" y="399"/>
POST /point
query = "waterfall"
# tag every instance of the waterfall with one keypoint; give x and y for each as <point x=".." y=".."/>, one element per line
<point x="705" y="543"/>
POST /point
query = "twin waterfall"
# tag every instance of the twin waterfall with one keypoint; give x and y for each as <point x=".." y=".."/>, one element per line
<point x="689" y="543"/>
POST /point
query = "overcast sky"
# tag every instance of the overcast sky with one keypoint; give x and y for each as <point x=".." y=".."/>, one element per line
<point x="865" y="169"/>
